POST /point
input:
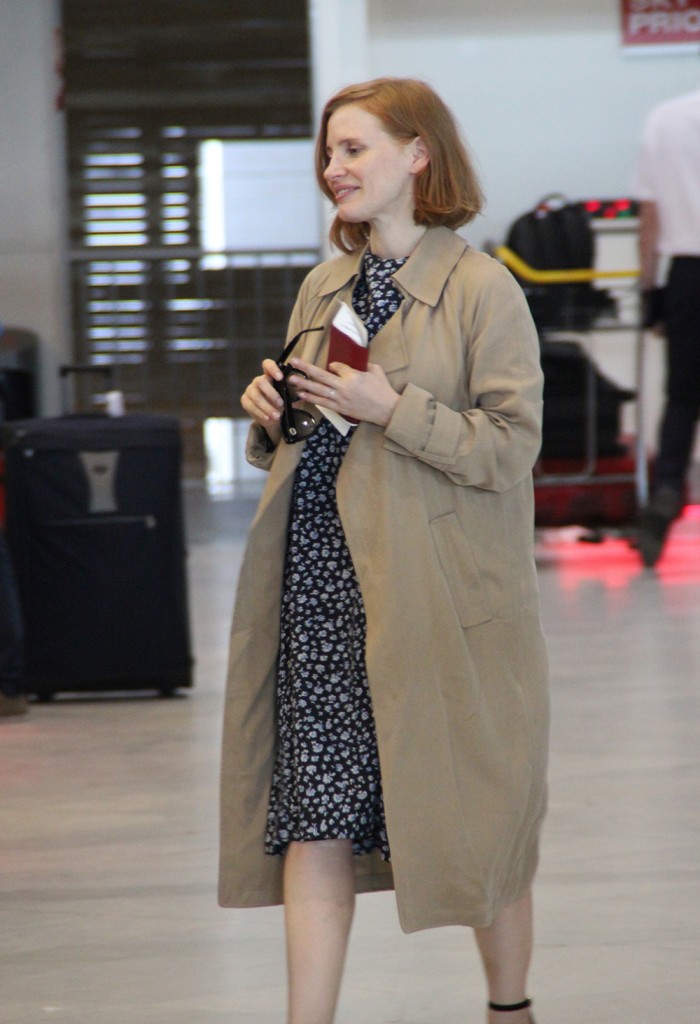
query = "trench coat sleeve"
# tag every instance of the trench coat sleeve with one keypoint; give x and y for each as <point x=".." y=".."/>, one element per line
<point x="258" y="451"/>
<point x="494" y="442"/>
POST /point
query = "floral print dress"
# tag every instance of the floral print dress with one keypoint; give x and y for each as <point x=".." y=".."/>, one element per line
<point x="326" y="782"/>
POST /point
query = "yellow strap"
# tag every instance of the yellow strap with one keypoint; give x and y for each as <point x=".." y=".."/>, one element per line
<point x="528" y="273"/>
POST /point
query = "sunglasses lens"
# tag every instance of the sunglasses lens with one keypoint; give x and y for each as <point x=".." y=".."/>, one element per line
<point x="304" y="422"/>
<point x="298" y="426"/>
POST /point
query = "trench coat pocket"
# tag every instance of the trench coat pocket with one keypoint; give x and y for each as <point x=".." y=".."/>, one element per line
<point x="461" y="571"/>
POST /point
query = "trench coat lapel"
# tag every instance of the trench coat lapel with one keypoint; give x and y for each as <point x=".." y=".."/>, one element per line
<point x="423" y="276"/>
<point x="422" y="279"/>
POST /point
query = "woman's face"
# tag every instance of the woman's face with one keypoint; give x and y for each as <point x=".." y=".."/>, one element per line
<point x="370" y="172"/>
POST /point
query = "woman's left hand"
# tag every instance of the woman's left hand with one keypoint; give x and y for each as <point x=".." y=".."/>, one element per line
<point x="361" y="396"/>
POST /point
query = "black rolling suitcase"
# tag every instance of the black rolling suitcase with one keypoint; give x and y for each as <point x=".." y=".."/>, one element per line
<point x="569" y="375"/>
<point x="95" y="528"/>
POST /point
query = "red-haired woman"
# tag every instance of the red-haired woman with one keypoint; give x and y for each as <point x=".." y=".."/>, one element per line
<point x="387" y="707"/>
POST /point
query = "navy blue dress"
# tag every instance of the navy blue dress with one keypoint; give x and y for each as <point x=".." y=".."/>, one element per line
<point x="326" y="782"/>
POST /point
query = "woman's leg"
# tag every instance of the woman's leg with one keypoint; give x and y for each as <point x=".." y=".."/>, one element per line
<point x="319" y="901"/>
<point x="506" y="950"/>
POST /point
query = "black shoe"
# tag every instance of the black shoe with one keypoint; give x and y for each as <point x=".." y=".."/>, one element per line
<point x="655" y="522"/>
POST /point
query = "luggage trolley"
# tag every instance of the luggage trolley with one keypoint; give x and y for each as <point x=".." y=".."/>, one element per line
<point x="595" y="487"/>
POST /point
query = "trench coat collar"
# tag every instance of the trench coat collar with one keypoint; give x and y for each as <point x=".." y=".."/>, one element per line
<point x="423" y="275"/>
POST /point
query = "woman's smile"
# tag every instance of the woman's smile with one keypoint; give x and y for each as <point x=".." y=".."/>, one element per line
<point x="343" y="191"/>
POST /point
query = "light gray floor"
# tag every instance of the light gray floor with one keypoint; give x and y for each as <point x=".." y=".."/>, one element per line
<point x="109" y="827"/>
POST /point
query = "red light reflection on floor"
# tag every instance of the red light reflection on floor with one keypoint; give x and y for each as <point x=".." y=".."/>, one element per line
<point x="614" y="563"/>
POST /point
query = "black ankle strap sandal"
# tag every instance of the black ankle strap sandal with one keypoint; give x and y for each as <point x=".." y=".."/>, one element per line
<point x="508" y="1008"/>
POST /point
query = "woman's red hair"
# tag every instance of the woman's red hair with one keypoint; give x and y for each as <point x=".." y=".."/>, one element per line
<point x="447" y="192"/>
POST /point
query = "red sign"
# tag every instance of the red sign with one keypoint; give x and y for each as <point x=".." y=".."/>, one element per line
<point x="660" y="22"/>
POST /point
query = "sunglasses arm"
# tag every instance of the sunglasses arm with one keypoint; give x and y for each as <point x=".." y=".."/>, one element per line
<point x="289" y="348"/>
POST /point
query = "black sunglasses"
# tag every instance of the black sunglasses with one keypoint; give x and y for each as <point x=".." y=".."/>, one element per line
<point x="296" y="424"/>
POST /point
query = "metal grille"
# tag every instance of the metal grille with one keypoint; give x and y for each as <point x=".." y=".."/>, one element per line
<point x="145" y="84"/>
<point x="181" y="335"/>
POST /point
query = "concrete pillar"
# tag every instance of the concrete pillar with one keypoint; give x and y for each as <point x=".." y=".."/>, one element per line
<point x="338" y="34"/>
<point x="33" y="193"/>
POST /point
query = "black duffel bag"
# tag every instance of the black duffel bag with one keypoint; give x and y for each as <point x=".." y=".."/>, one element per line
<point x="557" y="235"/>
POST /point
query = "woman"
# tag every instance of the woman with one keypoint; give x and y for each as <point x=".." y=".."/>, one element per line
<point x="387" y="608"/>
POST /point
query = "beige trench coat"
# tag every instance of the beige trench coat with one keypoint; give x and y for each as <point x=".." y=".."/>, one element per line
<point x="437" y="509"/>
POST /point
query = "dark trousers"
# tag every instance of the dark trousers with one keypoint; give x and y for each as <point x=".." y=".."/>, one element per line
<point x="11" y="638"/>
<point x="682" y="320"/>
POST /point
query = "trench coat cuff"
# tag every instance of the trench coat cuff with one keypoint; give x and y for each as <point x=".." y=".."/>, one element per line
<point x="422" y="426"/>
<point x="260" y="449"/>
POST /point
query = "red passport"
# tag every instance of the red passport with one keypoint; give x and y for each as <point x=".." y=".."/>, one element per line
<point x="348" y="344"/>
<point x="344" y="349"/>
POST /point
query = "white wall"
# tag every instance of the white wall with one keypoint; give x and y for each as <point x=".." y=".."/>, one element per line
<point x="543" y="93"/>
<point x="548" y="102"/>
<point x="32" y="185"/>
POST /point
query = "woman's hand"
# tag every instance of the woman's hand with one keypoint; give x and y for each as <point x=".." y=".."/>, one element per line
<point x="261" y="402"/>
<point x="361" y="396"/>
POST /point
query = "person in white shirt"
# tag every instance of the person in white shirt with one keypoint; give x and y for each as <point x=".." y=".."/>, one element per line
<point x="667" y="185"/>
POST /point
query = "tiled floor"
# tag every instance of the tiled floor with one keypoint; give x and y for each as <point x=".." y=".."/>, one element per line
<point x="108" y="828"/>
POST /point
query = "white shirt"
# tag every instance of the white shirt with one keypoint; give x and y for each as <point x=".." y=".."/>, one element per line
<point x="667" y="173"/>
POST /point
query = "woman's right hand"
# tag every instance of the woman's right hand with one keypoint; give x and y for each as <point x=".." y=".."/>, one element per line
<point x="260" y="400"/>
